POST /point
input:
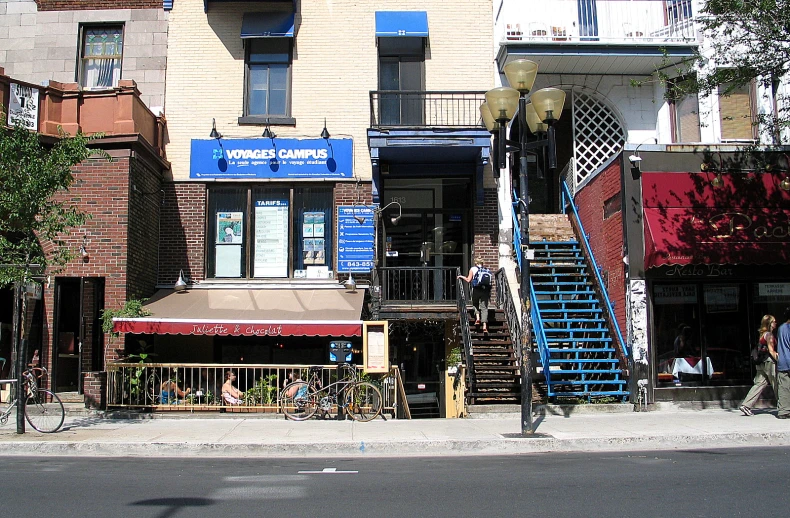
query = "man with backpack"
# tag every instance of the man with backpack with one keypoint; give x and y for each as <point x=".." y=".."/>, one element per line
<point x="481" y="280"/>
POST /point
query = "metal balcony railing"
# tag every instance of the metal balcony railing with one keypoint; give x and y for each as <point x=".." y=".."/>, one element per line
<point x="424" y="285"/>
<point x="417" y="108"/>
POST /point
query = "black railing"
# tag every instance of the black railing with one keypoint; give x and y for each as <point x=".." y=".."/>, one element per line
<point x="418" y="108"/>
<point x="504" y="300"/>
<point x="429" y="285"/>
<point x="466" y="334"/>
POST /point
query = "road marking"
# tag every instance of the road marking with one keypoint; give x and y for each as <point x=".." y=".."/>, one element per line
<point x="327" y="471"/>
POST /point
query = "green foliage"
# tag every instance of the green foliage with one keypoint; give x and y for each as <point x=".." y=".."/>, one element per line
<point x="131" y="309"/>
<point x="749" y="43"/>
<point x="264" y="392"/>
<point x="455" y="357"/>
<point x="33" y="223"/>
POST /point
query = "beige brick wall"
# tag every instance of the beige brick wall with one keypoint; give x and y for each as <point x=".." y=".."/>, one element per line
<point x="335" y="67"/>
<point x="37" y="46"/>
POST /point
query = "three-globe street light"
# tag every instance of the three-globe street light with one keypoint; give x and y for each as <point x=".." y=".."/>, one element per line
<point x="540" y="115"/>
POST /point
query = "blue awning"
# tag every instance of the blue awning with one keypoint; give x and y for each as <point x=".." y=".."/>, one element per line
<point x="267" y="25"/>
<point x="401" y="23"/>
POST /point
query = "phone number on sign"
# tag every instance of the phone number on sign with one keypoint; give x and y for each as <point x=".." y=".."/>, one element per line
<point x="357" y="264"/>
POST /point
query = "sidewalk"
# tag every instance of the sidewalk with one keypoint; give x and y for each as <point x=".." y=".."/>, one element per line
<point x="251" y="437"/>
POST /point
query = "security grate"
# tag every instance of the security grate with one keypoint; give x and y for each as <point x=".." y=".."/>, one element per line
<point x="597" y="133"/>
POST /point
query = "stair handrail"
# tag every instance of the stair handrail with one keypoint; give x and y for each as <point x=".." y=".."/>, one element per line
<point x="504" y="300"/>
<point x="516" y="230"/>
<point x="567" y="199"/>
<point x="539" y="335"/>
<point x="466" y="334"/>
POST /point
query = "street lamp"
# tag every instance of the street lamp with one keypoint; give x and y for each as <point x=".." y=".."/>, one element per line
<point x="540" y="115"/>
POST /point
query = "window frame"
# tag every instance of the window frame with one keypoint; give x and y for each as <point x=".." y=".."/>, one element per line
<point x="248" y="195"/>
<point x="752" y="94"/>
<point x="82" y="58"/>
<point x="265" y="118"/>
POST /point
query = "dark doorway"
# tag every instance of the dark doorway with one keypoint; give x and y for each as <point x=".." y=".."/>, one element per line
<point x="78" y="333"/>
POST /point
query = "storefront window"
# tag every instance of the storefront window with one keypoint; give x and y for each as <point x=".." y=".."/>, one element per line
<point x="270" y="232"/>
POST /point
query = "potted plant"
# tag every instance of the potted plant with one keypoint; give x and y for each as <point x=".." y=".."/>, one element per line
<point x="454" y="360"/>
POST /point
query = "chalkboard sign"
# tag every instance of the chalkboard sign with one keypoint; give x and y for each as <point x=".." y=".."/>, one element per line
<point x="355" y="239"/>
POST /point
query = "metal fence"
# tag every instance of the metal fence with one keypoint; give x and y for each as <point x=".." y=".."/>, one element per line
<point x="418" y="108"/>
<point x="418" y="284"/>
<point x="198" y="387"/>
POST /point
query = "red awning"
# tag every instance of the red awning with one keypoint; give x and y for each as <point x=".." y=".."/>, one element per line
<point x="686" y="221"/>
<point x="250" y="312"/>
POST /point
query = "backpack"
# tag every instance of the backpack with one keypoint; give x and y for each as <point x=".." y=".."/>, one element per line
<point x="482" y="278"/>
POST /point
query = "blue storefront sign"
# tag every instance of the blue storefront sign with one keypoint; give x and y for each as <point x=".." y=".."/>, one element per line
<point x="354" y="239"/>
<point x="272" y="158"/>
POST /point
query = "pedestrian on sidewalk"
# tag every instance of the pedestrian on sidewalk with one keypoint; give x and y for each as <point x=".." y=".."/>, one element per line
<point x="765" y="363"/>
<point x="783" y="368"/>
<point x="480" y="279"/>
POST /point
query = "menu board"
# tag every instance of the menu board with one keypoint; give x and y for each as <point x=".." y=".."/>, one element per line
<point x="375" y="346"/>
<point x="271" y="238"/>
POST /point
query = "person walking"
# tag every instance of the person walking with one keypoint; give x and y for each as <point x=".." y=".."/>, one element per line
<point x="480" y="278"/>
<point x="765" y="363"/>
<point x="783" y="368"/>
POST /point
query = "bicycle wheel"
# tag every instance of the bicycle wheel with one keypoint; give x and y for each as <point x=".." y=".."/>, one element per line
<point x="364" y="401"/>
<point x="299" y="401"/>
<point x="44" y="411"/>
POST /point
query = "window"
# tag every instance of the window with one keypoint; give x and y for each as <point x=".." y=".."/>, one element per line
<point x="269" y="232"/>
<point x="100" y="56"/>
<point x="684" y="112"/>
<point x="268" y="76"/>
<point x="736" y="112"/>
<point x="401" y="67"/>
<point x="677" y="10"/>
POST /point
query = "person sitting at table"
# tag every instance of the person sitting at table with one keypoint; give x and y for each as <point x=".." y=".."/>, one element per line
<point x="171" y="392"/>
<point x="765" y="363"/>
<point x="684" y="342"/>
<point x="231" y="394"/>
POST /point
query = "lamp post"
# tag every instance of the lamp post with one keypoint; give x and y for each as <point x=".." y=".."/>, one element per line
<point x="541" y="114"/>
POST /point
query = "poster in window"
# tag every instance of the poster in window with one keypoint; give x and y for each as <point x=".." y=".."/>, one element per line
<point x="229" y="227"/>
<point x="375" y="346"/>
<point x="668" y="294"/>
<point x="313" y="225"/>
<point x="271" y="238"/>
<point x="721" y="299"/>
<point x="228" y="260"/>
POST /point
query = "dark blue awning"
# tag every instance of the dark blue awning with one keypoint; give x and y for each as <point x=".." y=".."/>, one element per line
<point x="267" y="25"/>
<point x="401" y="23"/>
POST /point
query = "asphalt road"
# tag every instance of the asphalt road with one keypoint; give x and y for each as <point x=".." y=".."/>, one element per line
<point x="743" y="482"/>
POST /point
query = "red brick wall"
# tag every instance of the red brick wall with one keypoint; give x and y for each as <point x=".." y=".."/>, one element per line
<point x="606" y="235"/>
<point x="81" y="5"/>
<point x="183" y="237"/>
<point x="486" y="230"/>
<point x="145" y="203"/>
<point x="95" y="389"/>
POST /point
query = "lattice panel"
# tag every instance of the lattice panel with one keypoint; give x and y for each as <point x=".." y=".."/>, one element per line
<point x="598" y="135"/>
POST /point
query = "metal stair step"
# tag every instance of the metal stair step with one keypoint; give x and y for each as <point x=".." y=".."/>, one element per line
<point x="587" y="382"/>
<point x="555" y="361"/>
<point x="570" y="320"/>
<point x="552" y="372"/>
<point x="558" y="350"/>
<point x="577" y="339"/>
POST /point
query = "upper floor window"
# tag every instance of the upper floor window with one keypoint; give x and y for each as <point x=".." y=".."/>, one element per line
<point x="684" y="111"/>
<point x="401" y="67"/>
<point x="268" y="76"/>
<point x="736" y="112"/>
<point x="100" y="56"/>
<point x="678" y="10"/>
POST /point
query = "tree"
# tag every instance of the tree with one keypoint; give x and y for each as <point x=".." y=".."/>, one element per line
<point x="33" y="221"/>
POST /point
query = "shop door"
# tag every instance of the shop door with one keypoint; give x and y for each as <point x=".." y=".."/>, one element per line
<point x="422" y="255"/>
<point x="79" y="336"/>
<point x="726" y="332"/>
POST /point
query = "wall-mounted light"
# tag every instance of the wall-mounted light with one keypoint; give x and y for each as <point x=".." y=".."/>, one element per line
<point x="268" y="133"/>
<point x="180" y="285"/>
<point x="718" y="181"/>
<point x="83" y="251"/>
<point x="350" y="284"/>
<point x="324" y="132"/>
<point x="214" y="133"/>
<point x="636" y="165"/>
<point x="785" y="183"/>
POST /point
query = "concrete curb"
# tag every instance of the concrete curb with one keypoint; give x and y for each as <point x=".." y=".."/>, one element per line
<point x="451" y="447"/>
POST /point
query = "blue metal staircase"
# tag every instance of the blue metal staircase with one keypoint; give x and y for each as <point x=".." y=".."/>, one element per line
<point x="578" y="354"/>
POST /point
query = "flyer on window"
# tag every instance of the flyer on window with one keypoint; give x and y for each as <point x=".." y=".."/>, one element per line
<point x="229" y="227"/>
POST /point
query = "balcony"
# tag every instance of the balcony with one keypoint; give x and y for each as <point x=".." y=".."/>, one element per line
<point x="422" y="109"/>
<point x="116" y="112"/>
<point x="597" y="36"/>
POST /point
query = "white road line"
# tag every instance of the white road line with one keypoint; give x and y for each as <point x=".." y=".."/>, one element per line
<point x="327" y="471"/>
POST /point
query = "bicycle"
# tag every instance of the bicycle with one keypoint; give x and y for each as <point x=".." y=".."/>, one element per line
<point x="43" y="408"/>
<point x="361" y="400"/>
